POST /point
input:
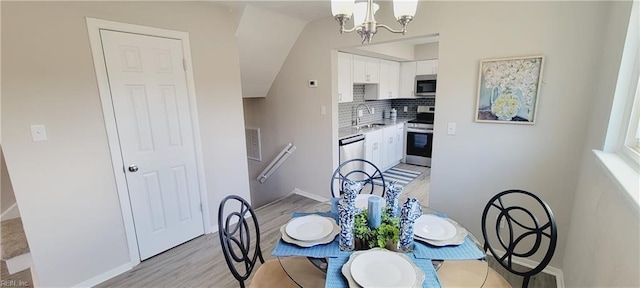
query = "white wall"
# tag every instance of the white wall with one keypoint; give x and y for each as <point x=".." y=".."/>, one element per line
<point x="398" y="51"/>
<point x="482" y="159"/>
<point x="262" y="54"/>
<point x="426" y="51"/>
<point x="604" y="226"/>
<point x="65" y="186"/>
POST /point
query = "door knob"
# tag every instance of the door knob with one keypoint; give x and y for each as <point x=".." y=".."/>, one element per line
<point x="133" y="168"/>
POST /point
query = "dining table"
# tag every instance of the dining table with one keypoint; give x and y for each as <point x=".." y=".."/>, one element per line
<point x="460" y="265"/>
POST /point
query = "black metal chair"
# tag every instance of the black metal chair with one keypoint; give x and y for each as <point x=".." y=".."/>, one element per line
<point x="236" y="234"/>
<point x="516" y="227"/>
<point x="357" y="170"/>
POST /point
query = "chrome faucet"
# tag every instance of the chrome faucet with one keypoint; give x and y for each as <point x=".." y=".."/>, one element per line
<point x="357" y="121"/>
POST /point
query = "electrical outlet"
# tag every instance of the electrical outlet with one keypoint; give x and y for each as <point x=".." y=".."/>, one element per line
<point x="360" y="113"/>
<point x="373" y="110"/>
<point x="406" y="109"/>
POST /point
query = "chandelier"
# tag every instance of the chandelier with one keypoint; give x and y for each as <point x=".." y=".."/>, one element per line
<point x="364" y="21"/>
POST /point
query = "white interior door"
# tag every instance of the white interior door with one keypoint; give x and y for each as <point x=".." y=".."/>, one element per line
<point x="151" y="106"/>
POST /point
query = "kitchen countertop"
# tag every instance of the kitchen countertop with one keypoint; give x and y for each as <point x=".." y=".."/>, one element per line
<point x="345" y="132"/>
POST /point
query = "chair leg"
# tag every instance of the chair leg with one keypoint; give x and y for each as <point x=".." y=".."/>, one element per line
<point x="525" y="282"/>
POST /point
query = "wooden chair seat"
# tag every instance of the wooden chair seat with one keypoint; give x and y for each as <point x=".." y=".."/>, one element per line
<point x="494" y="279"/>
<point x="270" y="274"/>
<point x="462" y="273"/>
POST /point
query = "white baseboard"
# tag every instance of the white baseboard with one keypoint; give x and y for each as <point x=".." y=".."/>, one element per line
<point x="11" y="213"/>
<point x="19" y="263"/>
<point x="532" y="264"/>
<point x="105" y="276"/>
<point x="309" y="195"/>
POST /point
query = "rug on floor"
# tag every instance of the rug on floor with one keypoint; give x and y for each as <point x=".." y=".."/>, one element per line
<point x="401" y="176"/>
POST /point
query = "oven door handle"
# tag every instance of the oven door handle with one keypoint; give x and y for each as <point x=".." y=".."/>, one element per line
<point x="419" y="130"/>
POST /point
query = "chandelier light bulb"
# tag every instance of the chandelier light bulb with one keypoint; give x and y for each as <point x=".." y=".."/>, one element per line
<point x="404" y="8"/>
<point x="342" y="7"/>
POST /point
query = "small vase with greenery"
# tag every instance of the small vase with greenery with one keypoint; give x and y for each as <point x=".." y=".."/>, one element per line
<point x="385" y="236"/>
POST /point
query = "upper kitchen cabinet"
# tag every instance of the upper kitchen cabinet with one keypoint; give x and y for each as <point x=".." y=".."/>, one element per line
<point x="407" y="79"/>
<point x="427" y="67"/>
<point x="345" y="77"/>
<point x="388" y="85"/>
<point x="365" y="70"/>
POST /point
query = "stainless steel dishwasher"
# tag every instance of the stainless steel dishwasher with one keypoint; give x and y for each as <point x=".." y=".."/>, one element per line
<point x="351" y="147"/>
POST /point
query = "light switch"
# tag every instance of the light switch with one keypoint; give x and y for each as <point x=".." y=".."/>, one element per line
<point x="373" y="110"/>
<point x="38" y="133"/>
<point x="451" y="129"/>
<point x="323" y="110"/>
<point x="406" y="109"/>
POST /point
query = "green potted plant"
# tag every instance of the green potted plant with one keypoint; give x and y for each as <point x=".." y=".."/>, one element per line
<point x="385" y="236"/>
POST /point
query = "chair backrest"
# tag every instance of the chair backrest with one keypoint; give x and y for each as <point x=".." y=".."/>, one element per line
<point x="235" y="231"/>
<point x="357" y="170"/>
<point x="508" y="228"/>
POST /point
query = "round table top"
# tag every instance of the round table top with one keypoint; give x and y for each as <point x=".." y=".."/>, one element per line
<point x="310" y="272"/>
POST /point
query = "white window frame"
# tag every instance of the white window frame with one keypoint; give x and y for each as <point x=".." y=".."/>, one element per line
<point x="618" y="157"/>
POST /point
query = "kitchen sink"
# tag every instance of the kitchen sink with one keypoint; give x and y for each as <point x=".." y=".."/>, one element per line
<point x="369" y="126"/>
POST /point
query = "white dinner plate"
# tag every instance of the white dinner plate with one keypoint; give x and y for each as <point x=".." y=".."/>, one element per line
<point x="382" y="269"/>
<point x="309" y="228"/>
<point x="327" y="239"/>
<point x="351" y="283"/>
<point x="461" y="234"/>
<point x="362" y="201"/>
<point x="434" y="228"/>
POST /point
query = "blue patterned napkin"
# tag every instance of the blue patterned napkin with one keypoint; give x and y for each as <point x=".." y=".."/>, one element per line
<point x="284" y="249"/>
<point x="465" y="251"/>
<point x="335" y="279"/>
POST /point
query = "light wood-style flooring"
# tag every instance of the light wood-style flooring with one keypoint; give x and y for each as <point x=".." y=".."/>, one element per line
<point x="200" y="263"/>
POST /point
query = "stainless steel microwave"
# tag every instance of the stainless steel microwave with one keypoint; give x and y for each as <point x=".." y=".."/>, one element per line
<point x="426" y="85"/>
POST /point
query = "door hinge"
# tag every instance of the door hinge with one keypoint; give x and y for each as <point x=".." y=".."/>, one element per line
<point x="184" y="64"/>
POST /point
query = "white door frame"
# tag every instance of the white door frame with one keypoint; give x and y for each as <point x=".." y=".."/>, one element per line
<point x="94" y="26"/>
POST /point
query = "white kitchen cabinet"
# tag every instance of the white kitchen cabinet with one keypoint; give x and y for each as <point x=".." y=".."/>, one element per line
<point x="394" y="79"/>
<point x="389" y="147"/>
<point x="373" y="148"/>
<point x="407" y="80"/>
<point x="385" y="147"/>
<point x="365" y="70"/>
<point x="345" y="77"/>
<point x="388" y="85"/>
<point x="427" y="67"/>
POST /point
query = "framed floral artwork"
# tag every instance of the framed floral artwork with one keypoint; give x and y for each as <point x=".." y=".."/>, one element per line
<point x="508" y="90"/>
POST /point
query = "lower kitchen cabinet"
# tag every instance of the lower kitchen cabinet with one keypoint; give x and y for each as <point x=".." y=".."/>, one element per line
<point x="385" y="147"/>
<point x="373" y="149"/>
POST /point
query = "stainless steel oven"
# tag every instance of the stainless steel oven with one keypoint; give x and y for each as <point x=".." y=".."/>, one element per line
<point x="419" y="137"/>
